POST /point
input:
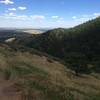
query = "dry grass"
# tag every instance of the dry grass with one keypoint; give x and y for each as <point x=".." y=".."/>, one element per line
<point x="31" y="77"/>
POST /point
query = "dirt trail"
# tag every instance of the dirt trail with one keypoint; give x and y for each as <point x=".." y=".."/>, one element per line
<point x="7" y="92"/>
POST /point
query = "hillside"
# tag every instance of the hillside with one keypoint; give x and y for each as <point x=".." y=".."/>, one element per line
<point x="76" y="46"/>
<point x="28" y="76"/>
<point x="60" y="64"/>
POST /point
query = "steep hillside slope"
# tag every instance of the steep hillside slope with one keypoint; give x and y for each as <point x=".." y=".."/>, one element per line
<point x="76" y="46"/>
<point x="26" y="76"/>
<point x="83" y="38"/>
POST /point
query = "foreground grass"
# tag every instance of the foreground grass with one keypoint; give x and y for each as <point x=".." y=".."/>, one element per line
<point x="36" y="78"/>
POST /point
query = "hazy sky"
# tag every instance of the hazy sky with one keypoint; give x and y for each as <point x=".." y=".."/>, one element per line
<point x="47" y="13"/>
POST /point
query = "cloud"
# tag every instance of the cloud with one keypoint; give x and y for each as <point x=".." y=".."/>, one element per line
<point x="7" y="2"/>
<point x="12" y="9"/>
<point x="85" y="17"/>
<point x="37" y="17"/>
<point x="22" y="17"/>
<point x="44" y="21"/>
<point x="12" y="15"/>
<point x="74" y="17"/>
<point x="55" y="17"/>
<point x="22" y="8"/>
<point x="96" y="14"/>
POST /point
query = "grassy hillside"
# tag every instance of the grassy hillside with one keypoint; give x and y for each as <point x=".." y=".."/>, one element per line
<point x="78" y="46"/>
<point x="26" y="76"/>
<point x="49" y="74"/>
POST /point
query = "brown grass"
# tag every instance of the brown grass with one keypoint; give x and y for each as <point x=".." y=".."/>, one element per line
<point x="27" y="76"/>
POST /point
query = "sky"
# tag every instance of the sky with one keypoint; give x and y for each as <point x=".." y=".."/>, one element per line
<point x="47" y="13"/>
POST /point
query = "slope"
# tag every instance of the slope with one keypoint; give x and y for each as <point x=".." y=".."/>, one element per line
<point x="78" y="46"/>
<point x="26" y="76"/>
